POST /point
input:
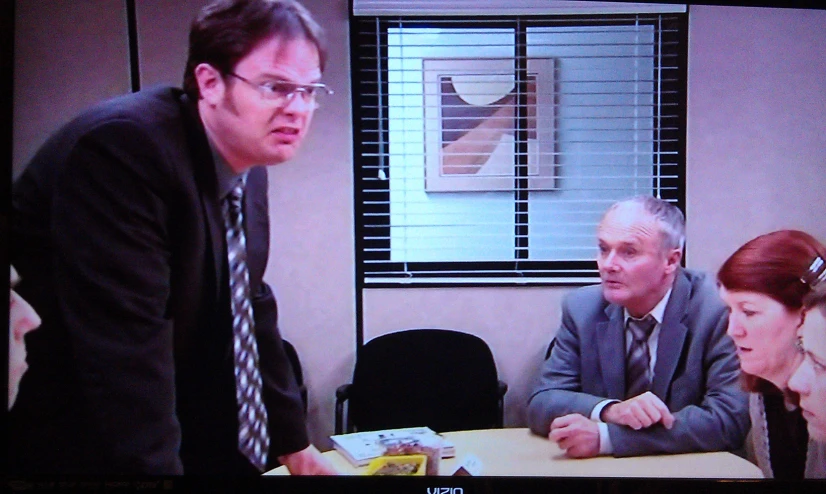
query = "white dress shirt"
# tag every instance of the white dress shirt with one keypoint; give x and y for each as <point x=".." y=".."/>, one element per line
<point x="605" y="446"/>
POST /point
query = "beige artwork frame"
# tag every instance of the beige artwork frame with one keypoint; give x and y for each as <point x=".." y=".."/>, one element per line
<point x="482" y="157"/>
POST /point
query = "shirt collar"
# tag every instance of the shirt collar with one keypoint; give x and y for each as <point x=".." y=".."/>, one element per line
<point x="658" y="311"/>
<point x="225" y="177"/>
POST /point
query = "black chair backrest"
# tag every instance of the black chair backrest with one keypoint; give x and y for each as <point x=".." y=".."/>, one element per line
<point x="442" y="379"/>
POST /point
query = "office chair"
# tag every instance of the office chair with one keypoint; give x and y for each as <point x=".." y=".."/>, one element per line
<point x="438" y="378"/>
<point x="292" y="355"/>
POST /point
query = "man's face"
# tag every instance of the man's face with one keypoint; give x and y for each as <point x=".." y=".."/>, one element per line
<point x="634" y="268"/>
<point x="247" y="128"/>
<point x="22" y="319"/>
<point x="810" y="378"/>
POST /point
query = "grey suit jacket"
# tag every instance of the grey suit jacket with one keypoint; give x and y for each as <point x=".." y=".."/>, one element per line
<point x="696" y="373"/>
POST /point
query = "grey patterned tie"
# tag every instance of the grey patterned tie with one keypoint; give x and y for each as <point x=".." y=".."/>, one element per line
<point x="637" y="372"/>
<point x="253" y="439"/>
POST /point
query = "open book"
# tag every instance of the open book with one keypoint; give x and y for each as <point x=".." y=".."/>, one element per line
<point x="361" y="447"/>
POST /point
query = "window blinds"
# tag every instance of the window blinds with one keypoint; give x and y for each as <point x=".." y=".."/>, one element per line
<point x="505" y="7"/>
<point x="487" y="149"/>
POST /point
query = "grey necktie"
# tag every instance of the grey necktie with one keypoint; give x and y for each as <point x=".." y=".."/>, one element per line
<point x="253" y="438"/>
<point x="637" y="372"/>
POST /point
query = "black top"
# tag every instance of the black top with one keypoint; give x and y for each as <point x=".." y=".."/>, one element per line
<point x="788" y="437"/>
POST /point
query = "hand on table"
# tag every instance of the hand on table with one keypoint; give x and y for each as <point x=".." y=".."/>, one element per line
<point x="576" y="434"/>
<point x="638" y="412"/>
<point x="308" y="461"/>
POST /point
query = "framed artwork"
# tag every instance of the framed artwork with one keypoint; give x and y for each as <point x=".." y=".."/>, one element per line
<point x="471" y="124"/>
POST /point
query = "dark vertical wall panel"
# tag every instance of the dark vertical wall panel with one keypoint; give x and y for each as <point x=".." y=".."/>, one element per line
<point x="68" y="55"/>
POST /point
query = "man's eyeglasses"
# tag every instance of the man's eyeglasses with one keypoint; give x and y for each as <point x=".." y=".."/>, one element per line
<point x="283" y="92"/>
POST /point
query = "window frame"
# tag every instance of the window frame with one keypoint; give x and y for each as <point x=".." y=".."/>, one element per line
<point x="372" y="206"/>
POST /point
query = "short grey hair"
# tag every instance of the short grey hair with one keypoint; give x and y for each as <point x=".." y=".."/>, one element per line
<point x="669" y="217"/>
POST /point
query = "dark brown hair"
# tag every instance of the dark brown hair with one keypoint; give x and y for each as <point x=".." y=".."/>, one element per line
<point x="226" y="31"/>
<point x="772" y="264"/>
<point x="816" y="299"/>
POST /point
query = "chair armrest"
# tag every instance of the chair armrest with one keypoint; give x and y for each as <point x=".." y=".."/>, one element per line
<point x="501" y="389"/>
<point x="342" y="395"/>
<point x="343" y="392"/>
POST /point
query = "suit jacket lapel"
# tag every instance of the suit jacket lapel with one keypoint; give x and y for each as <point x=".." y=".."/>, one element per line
<point x="203" y="168"/>
<point x="611" y="348"/>
<point x="672" y="338"/>
<point x="256" y="218"/>
<point x="215" y="225"/>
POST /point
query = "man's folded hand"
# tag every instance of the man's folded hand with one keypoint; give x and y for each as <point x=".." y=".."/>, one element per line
<point x="639" y="412"/>
<point x="576" y="434"/>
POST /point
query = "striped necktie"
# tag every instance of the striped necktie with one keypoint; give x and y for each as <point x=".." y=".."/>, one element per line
<point x="253" y="439"/>
<point x="637" y="370"/>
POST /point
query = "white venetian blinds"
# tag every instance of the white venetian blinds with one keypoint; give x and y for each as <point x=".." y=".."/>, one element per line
<point x="487" y="147"/>
<point x="505" y="7"/>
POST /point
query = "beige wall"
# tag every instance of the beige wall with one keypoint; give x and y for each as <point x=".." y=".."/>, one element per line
<point x="756" y="162"/>
<point x="68" y="55"/>
<point x="756" y="127"/>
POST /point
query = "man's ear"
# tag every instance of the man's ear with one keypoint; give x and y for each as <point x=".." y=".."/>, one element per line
<point x="672" y="260"/>
<point x="211" y="84"/>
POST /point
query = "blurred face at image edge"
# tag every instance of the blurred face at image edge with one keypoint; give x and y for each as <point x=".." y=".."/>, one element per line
<point x="22" y="319"/>
<point x="809" y="380"/>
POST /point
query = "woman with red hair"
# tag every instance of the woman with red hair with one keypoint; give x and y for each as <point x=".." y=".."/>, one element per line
<point x="764" y="284"/>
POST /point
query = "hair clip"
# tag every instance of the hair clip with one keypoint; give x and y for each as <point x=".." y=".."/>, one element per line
<point x="816" y="274"/>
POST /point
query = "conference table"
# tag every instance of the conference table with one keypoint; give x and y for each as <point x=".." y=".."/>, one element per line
<point x="518" y="452"/>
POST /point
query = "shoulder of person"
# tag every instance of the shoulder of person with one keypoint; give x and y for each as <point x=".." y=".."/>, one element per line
<point x="701" y="283"/>
<point x="151" y="113"/>
<point x="702" y="292"/>
<point x="585" y="302"/>
<point x="150" y="128"/>
<point x="585" y="294"/>
<point x="152" y="109"/>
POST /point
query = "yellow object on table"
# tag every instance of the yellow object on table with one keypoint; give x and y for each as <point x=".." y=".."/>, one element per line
<point x="518" y="452"/>
<point x="398" y="465"/>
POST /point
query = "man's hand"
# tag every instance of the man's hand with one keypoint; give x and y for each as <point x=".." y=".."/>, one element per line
<point x="308" y="461"/>
<point x="576" y="434"/>
<point x="638" y="412"/>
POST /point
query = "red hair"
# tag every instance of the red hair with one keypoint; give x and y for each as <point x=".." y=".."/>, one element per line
<point x="772" y="264"/>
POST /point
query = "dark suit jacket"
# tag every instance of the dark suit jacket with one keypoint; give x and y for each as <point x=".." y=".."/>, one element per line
<point x="118" y="237"/>
<point x="696" y="373"/>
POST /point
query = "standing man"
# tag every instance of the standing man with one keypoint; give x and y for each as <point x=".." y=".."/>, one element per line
<point x="642" y="363"/>
<point x="141" y="233"/>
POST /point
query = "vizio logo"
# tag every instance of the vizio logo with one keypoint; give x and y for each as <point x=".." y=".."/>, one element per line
<point x="445" y="490"/>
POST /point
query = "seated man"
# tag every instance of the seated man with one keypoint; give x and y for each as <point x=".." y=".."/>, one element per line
<point x="642" y="363"/>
